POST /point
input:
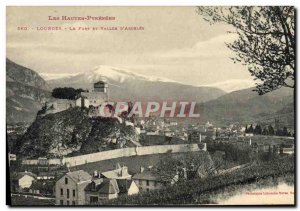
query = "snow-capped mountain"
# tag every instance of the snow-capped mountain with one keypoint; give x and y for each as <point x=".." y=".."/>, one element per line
<point x="126" y="85"/>
<point x="233" y="85"/>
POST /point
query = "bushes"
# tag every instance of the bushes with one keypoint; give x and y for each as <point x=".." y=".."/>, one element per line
<point x="66" y="93"/>
<point x="198" y="191"/>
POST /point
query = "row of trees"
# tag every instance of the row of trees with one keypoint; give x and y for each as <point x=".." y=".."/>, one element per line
<point x="268" y="130"/>
<point x="66" y="93"/>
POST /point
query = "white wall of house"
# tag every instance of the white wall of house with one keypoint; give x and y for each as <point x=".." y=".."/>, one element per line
<point x="147" y="185"/>
<point x="25" y="181"/>
<point x="69" y="192"/>
<point x="133" y="189"/>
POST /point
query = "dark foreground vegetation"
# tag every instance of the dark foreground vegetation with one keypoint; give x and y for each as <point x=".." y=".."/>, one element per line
<point x="199" y="191"/>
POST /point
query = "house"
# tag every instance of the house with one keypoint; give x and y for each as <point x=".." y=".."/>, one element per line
<point x="101" y="189"/>
<point x="43" y="187"/>
<point x="42" y="161"/>
<point x="118" y="173"/>
<point x="148" y="180"/>
<point x="287" y="149"/>
<point x="23" y="180"/>
<point x="70" y="189"/>
<point x="127" y="187"/>
<point x="46" y="175"/>
<point x="11" y="157"/>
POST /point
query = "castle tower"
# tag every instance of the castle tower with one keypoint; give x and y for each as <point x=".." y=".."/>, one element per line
<point x="100" y="86"/>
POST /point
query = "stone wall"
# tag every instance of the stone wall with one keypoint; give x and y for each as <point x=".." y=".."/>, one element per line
<point x="117" y="153"/>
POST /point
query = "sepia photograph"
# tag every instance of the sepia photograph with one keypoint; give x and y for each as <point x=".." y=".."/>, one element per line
<point x="150" y="106"/>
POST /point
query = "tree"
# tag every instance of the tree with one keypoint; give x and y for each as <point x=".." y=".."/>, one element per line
<point x="246" y="129"/>
<point x="250" y="129"/>
<point x="265" y="131"/>
<point x="195" y="164"/>
<point x="265" y="41"/>
<point x="66" y="93"/>
<point x="285" y="131"/>
<point x="257" y="130"/>
<point x="271" y="130"/>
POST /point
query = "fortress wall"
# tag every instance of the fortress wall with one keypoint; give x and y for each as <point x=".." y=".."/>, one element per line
<point x="117" y="153"/>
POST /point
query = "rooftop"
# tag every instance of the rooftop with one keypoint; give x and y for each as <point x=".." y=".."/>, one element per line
<point x="79" y="176"/>
<point x="147" y="175"/>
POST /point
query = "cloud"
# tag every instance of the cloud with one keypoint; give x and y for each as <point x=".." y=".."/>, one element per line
<point x="214" y="47"/>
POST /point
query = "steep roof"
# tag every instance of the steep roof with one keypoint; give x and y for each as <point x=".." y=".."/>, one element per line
<point x="116" y="173"/>
<point x="104" y="186"/>
<point x="124" y="185"/>
<point x="109" y="186"/>
<point x="147" y="175"/>
<point x="79" y="176"/>
<point x="22" y="174"/>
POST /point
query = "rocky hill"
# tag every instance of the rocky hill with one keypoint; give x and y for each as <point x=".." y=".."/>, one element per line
<point x="72" y="132"/>
<point x="26" y="93"/>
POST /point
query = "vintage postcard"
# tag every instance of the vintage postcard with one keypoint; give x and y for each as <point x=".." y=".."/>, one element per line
<point x="150" y="106"/>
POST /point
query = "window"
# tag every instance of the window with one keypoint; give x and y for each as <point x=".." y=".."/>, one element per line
<point x="147" y="182"/>
<point x="66" y="180"/>
<point x="68" y="203"/>
<point x="155" y="183"/>
<point x="61" y="192"/>
<point x="73" y="193"/>
<point x="73" y="202"/>
<point x="93" y="199"/>
<point x="68" y="193"/>
<point x="147" y="189"/>
<point x="61" y="202"/>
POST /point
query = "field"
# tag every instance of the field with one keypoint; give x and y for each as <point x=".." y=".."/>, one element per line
<point x="133" y="163"/>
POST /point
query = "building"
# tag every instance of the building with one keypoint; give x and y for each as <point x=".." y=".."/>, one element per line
<point x="11" y="157"/>
<point x="195" y="137"/>
<point x="59" y="105"/>
<point x="93" y="97"/>
<point x="148" y="180"/>
<point x="23" y="180"/>
<point x="98" y="95"/>
<point x="101" y="189"/>
<point x="82" y="102"/>
<point x="127" y="187"/>
<point x="70" y="189"/>
<point x="118" y="173"/>
<point x="46" y="175"/>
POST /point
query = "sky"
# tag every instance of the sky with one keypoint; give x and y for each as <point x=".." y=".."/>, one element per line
<point x="176" y="43"/>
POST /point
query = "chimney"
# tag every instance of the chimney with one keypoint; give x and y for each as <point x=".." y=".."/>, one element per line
<point x="142" y="169"/>
<point x="124" y="171"/>
<point x="184" y="173"/>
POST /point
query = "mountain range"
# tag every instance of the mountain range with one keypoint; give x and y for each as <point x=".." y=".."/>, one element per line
<point x="27" y="92"/>
<point x="125" y="85"/>
<point x="246" y="106"/>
